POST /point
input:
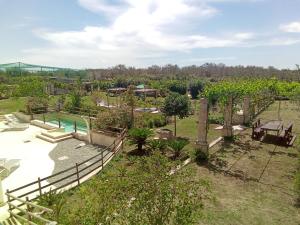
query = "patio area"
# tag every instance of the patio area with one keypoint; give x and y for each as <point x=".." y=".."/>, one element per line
<point x="38" y="158"/>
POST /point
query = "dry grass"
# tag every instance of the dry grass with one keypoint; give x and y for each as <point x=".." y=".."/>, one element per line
<point x="253" y="181"/>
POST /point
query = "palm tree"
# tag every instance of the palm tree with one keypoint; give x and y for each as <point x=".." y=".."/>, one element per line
<point x="139" y="136"/>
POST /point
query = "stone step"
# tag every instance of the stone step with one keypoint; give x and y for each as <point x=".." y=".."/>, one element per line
<point x="51" y="140"/>
<point x="50" y="135"/>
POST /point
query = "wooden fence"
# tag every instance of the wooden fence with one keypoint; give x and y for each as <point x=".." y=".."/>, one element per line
<point x="27" y="213"/>
<point x="68" y="178"/>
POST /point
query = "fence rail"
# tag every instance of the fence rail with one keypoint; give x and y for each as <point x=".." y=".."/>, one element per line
<point x="27" y="212"/>
<point x="68" y="178"/>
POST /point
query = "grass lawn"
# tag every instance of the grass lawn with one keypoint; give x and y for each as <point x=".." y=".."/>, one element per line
<point x="253" y="181"/>
<point x="187" y="128"/>
<point x="12" y="105"/>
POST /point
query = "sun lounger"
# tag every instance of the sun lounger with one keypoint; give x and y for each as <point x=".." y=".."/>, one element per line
<point x="8" y="166"/>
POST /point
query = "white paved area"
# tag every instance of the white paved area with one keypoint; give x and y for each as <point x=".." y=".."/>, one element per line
<point x="32" y="152"/>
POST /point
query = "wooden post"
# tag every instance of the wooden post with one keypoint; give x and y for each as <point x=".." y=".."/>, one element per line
<point x="28" y="209"/>
<point x="44" y="119"/>
<point x="77" y="173"/>
<point x="40" y="186"/>
<point x="175" y="127"/>
<point x="59" y="125"/>
<point x="102" y="157"/>
<point x="8" y="200"/>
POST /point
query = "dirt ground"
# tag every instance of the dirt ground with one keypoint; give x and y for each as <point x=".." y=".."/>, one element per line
<point x="253" y="181"/>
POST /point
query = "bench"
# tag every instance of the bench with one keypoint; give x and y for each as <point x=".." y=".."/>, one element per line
<point x="257" y="132"/>
<point x="286" y="135"/>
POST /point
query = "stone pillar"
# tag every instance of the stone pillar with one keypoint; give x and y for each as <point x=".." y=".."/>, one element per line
<point x="246" y="110"/>
<point x="203" y="126"/>
<point x="227" y="129"/>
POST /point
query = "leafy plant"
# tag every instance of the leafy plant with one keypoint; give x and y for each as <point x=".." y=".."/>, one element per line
<point x="177" y="146"/>
<point x="139" y="136"/>
<point x="157" y="145"/>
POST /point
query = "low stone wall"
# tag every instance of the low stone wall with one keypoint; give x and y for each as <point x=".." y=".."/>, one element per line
<point x="81" y="136"/>
<point x="22" y="117"/>
<point x="103" y="137"/>
<point x="43" y="125"/>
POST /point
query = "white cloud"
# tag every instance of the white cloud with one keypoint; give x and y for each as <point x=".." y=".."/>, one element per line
<point x="293" y="27"/>
<point x="139" y="30"/>
<point x="284" y="41"/>
<point x="101" y="6"/>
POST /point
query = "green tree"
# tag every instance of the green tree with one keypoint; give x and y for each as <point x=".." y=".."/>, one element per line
<point x="144" y="195"/>
<point x="196" y="87"/>
<point x="130" y="101"/>
<point x="139" y="136"/>
<point x="178" y="87"/>
<point x="176" y="105"/>
<point x="30" y="86"/>
<point x="75" y="100"/>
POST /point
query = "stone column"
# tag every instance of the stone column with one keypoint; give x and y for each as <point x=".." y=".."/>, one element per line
<point x="246" y="110"/>
<point x="203" y="126"/>
<point x="227" y="129"/>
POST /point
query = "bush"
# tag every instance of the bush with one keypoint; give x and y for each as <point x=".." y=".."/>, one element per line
<point x="200" y="156"/>
<point x="139" y="136"/>
<point x="178" y="87"/>
<point x="177" y="146"/>
<point x="149" y="120"/>
<point x="36" y="105"/>
<point x="146" y="194"/>
<point x="196" y="87"/>
<point x="109" y="119"/>
<point x="216" y="119"/>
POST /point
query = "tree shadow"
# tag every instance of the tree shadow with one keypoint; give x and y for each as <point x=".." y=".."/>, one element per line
<point x="137" y="152"/>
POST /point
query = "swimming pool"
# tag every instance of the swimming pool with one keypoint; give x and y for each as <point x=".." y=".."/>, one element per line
<point x="69" y="125"/>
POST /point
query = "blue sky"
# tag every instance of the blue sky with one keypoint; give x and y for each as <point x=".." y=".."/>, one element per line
<point x="103" y="33"/>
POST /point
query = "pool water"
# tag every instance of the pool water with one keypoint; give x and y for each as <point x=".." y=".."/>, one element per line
<point x="69" y="125"/>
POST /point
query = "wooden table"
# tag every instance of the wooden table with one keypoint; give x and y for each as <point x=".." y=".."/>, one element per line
<point x="274" y="125"/>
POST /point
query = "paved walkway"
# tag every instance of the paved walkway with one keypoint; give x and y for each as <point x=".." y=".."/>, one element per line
<point x="67" y="153"/>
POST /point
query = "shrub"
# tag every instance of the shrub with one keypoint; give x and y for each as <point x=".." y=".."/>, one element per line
<point x="216" y="119"/>
<point x="146" y="194"/>
<point x="157" y="145"/>
<point x="36" y="105"/>
<point x="177" y="146"/>
<point x="109" y="119"/>
<point x="139" y="136"/>
<point x="149" y="120"/>
<point x="200" y="156"/>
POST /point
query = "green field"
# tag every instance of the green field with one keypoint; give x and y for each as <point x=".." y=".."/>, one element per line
<point x="12" y="105"/>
